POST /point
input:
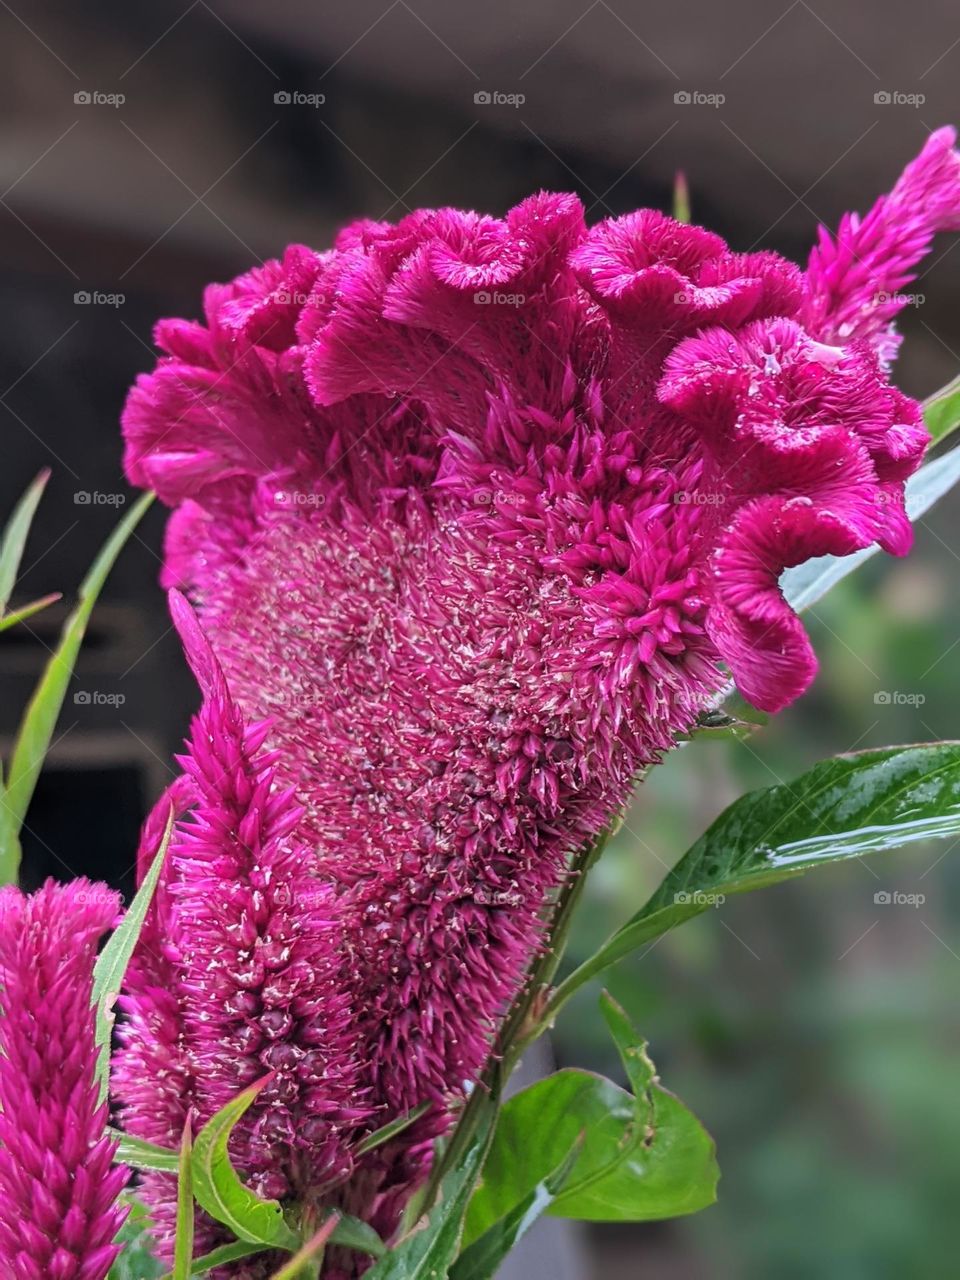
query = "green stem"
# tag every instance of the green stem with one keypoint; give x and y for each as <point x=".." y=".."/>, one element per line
<point x="531" y="1028"/>
<point x="523" y="1023"/>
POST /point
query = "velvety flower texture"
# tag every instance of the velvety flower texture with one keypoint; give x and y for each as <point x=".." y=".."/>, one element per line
<point x="235" y="976"/>
<point x="475" y="511"/>
<point x="58" y="1185"/>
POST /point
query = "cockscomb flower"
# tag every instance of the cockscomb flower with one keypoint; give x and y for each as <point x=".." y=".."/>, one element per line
<point x="248" y="981"/>
<point x="58" y="1184"/>
<point x="856" y="281"/>
<point x="476" y="511"/>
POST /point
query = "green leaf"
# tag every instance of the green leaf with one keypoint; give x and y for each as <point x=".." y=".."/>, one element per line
<point x="941" y="411"/>
<point x="633" y="1052"/>
<point x="137" y="1260"/>
<point x="388" y="1131"/>
<point x="842" y="808"/>
<point x="642" y="1158"/>
<point x="112" y="961"/>
<point x="183" y="1239"/>
<point x="221" y="1256"/>
<point x="40" y="718"/>
<point x="481" y="1260"/>
<point x="219" y="1190"/>
<point x="28" y="610"/>
<point x="428" y="1251"/>
<point x="143" y="1155"/>
<point x="15" y="536"/>
<point x="804" y="585"/>
<point x="352" y="1233"/>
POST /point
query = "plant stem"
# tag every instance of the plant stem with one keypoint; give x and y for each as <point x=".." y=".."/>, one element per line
<point x="523" y="1024"/>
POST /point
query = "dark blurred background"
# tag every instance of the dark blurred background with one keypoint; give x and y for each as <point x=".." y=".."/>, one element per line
<point x="147" y="149"/>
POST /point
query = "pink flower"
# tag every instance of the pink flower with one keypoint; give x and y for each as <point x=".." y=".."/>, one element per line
<point x="855" y="282"/>
<point x="242" y="983"/>
<point x="474" y="511"/>
<point x="58" y="1187"/>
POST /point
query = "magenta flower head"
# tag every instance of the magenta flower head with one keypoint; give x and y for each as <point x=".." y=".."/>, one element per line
<point x="235" y="976"/>
<point x="58" y="1186"/>
<point x="476" y="512"/>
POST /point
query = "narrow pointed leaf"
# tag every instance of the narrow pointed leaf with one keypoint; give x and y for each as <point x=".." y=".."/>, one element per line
<point x="354" y="1234"/>
<point x="28" y="610"/>
<point x="15" y="536"/>
<point x="221" y="1256"/>
<point x="141" y="1154"/>
<point x="481" y="1260"/>
<point x="40" y="718"/>
<point x="636" y="1061"/>
<point x="113" y="959"/>
<point x="183" y="1240"/>
<point x="842" y="808"/>
<point x="941" y="411"/>
<point x="218" y="1188"/>
<point x="391" y="1130"/>
<point x="428" y="1250"/>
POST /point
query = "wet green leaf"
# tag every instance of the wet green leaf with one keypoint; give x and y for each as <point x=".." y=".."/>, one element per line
<point x="842" y="808"/>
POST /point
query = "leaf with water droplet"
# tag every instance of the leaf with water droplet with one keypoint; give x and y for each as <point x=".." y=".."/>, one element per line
<point x="842" y="808"/>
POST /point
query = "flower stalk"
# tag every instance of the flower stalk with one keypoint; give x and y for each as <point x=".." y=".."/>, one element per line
<point x="525" y="1022"/>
